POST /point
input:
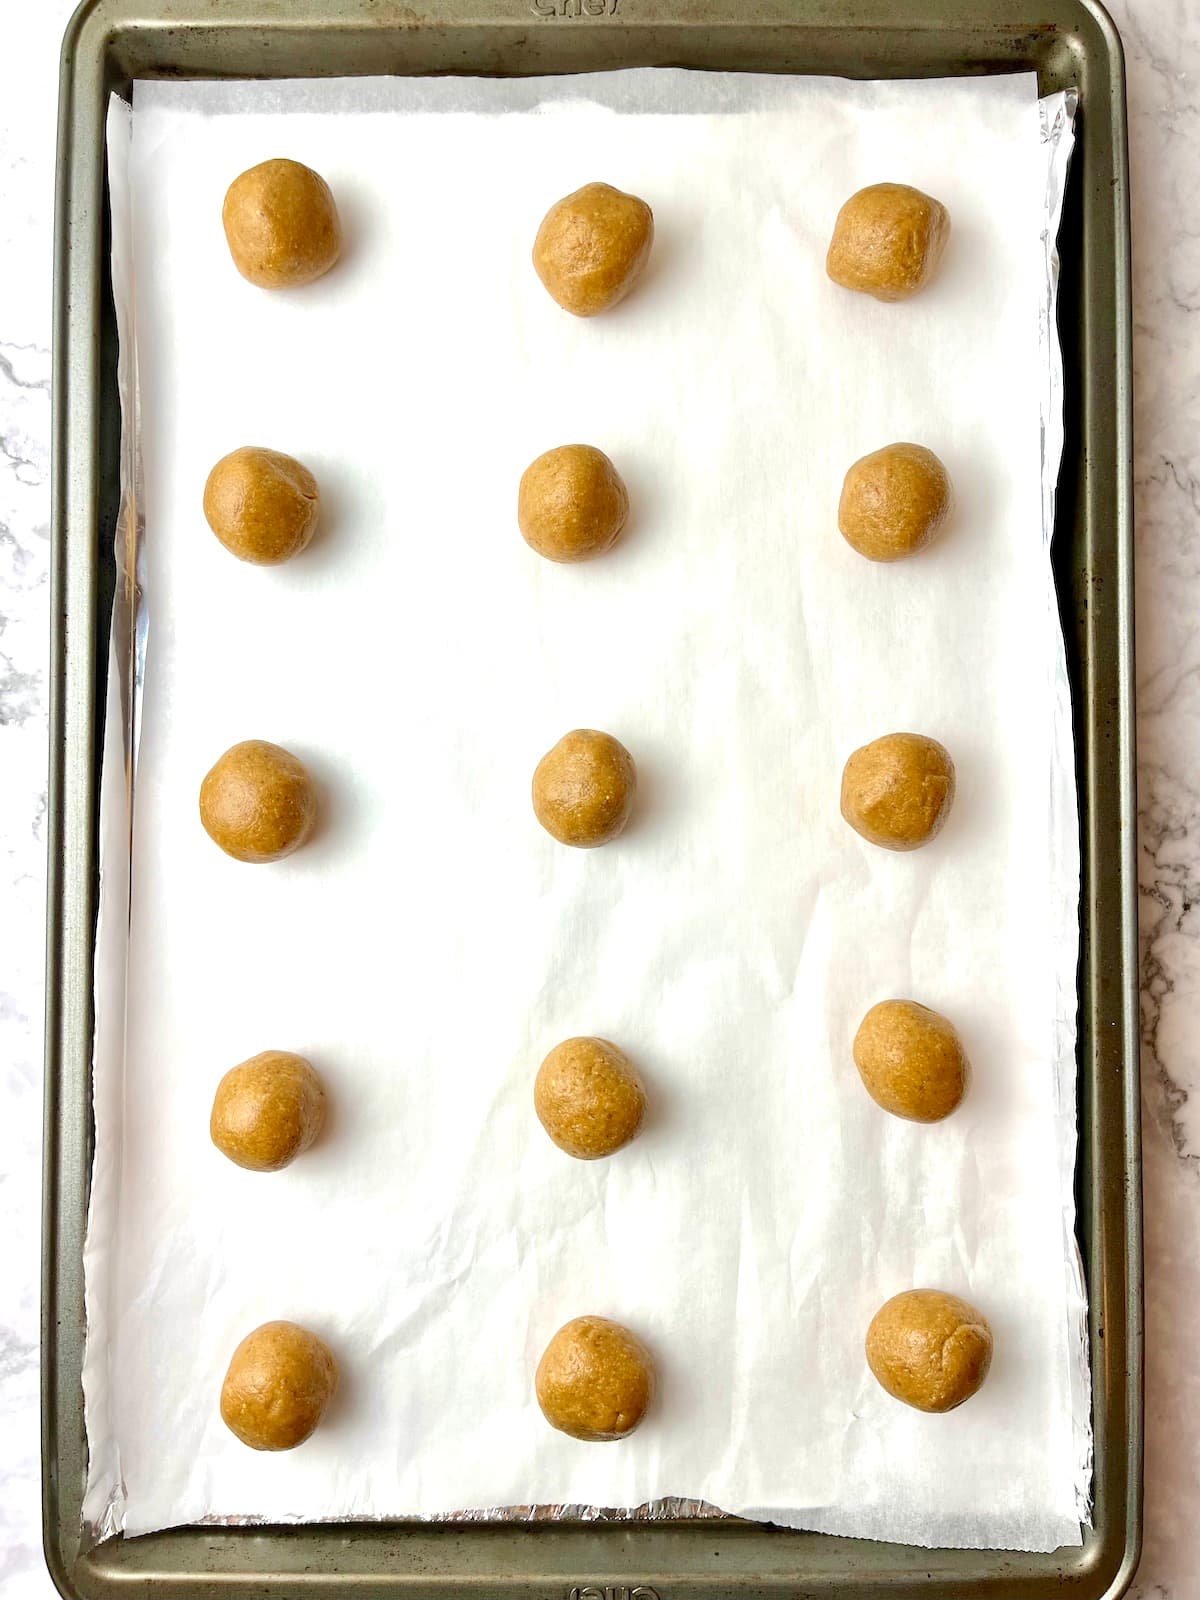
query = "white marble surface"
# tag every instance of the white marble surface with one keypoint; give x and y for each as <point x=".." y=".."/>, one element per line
<point x="1162" y="41"/>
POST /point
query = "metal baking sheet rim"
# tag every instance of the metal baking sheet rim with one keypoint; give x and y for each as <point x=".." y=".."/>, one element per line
<point x="97" y="56"/>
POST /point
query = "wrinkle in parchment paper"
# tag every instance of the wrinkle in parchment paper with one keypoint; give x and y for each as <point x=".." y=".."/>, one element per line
<point x="431" y="943"/>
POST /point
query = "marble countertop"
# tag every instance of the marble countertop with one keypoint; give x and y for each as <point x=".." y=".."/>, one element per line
<point x="1162" y="43"/>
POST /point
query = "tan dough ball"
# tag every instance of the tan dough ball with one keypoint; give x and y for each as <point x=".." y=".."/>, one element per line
<point x="589" y="1098"/>
<point x="894" y="501"/>
<point x="261" y="505"/>
<point x="281" y="224"/>
<point x="279" y="1382"/>
<point x="595" y="1380"/>
<point x="887" y="241"/>
<point x="911" y="1060"/>
<point x="897" y="791"/>
<point x="267" y="1110"/>
<point x="583" y="789"/>
<point x="258" y="803"/>
<point x="571" y="504"/>
<point x="592" y="247"/>
<point x="929" y="1349"/>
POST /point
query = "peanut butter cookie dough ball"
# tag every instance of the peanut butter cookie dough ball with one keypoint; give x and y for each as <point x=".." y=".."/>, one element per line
<point x="887" y="241"/>
<point x="894" y="501"/>
<point x="281" y="225"/>
<point x="258" y="803"/>
<point x="280" y="1380"/>
<point x="592" y="247"/>
<point x="583" y="789"/>
<point x="267" y="1111"/>
<point x="589" y="1098"/>
<point x="571" y="505"/>
<point x="911" y="1060"/>
<point x="929" y="1349"/>
<point x="262" y="505"/>
<point x="595" y="1380"/>
<point x="897" y="791"/>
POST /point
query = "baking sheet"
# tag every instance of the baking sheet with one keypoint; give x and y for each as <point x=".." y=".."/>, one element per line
<point x="431" y="944"/>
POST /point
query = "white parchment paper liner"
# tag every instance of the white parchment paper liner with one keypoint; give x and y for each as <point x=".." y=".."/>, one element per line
<point x="771" y="1314"/>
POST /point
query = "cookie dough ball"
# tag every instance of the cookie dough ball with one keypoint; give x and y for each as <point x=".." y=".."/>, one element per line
<point x="887" y="241"/>
<point x="589" y="1098"/>
<point x="267" y="1110"/>
<point x="929" y="1349"/>
<point x="897" y="791"/>
<point x="261" y="505"/>
<point x="595" y="1380"/>
<point x="281" y="224"/>
<point x="583" y="789"/>
<point x="592" y="248"/>
<point x="572" y="504"/>
<point x="258" y="803"/>
<point x="894" y="501"/>
<point x="280" y="1380"/>
<point x="911" y="1060"/>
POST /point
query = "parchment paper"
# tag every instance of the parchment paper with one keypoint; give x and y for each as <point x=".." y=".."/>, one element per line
<point x="432" y="942"/>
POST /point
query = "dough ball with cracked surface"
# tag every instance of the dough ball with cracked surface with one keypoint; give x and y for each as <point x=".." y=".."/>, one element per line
<point x="887" y="241"/>
<point x="911" y="1060"/>
<point x="280" y="1380"/>
<point x="258" y="802"/>
<point x="592" y="247"/>
<point x="262" y="505"/>
<point x="595" y="1380"/>
<point x="589" y="1097"/>
<point x="929" y="1349"/>
<point x="897" y="791"/>
<point x="583" y="789"/>
<point x="894" y="501"/>
<point x="571" y="504"/>
<point x="281" y="224"/>
<point x="267" y="1110"/>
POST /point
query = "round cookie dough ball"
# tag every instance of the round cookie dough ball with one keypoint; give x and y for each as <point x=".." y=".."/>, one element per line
<point x="267" y="1110"/>
<point x="592" y="247"/>
<point x="280" y="1380"/>
<point x="595" y="1380"/>
<point x="911" y="1060"/>
<point x="897" y="791"/>
<point x="261" y="505"/>
<point x="281" y="224"/>
<point x="589" y="1098"/>
<point x="929" y="1349"/>
<point x="258" y="803"/>
<point x="572" y="504"/>
<point x="887" y="241"/>
<point x="583" y="789"/>
<point x="894" y="501"/>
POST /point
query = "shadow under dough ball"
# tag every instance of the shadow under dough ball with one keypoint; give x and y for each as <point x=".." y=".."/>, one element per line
<point x="595" y="1380"/>
<point x="262" y="505"/>
<point x="929" y="1349"/>
<point x="592" y="247"/>
<point x="589" y="1098"/>
<point x="911" y="1060"/>
<point x="897" y="791"/>
<point x="267" y="1110"/>
<point x="583" y="789"/>
<point x="572" y="504"/>
<point x="894" y="501"/>
<point x="281" y="224"/>
<point x="279" y="1382"/>
<point x="887" y="241"/>
<point x="258" y="802"/>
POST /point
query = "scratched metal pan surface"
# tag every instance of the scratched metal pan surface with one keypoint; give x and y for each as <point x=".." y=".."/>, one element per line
<point x="1068" y="42"/>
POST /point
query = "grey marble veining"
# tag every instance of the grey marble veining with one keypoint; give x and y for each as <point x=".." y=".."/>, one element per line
<point x="1162" y="41"/>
